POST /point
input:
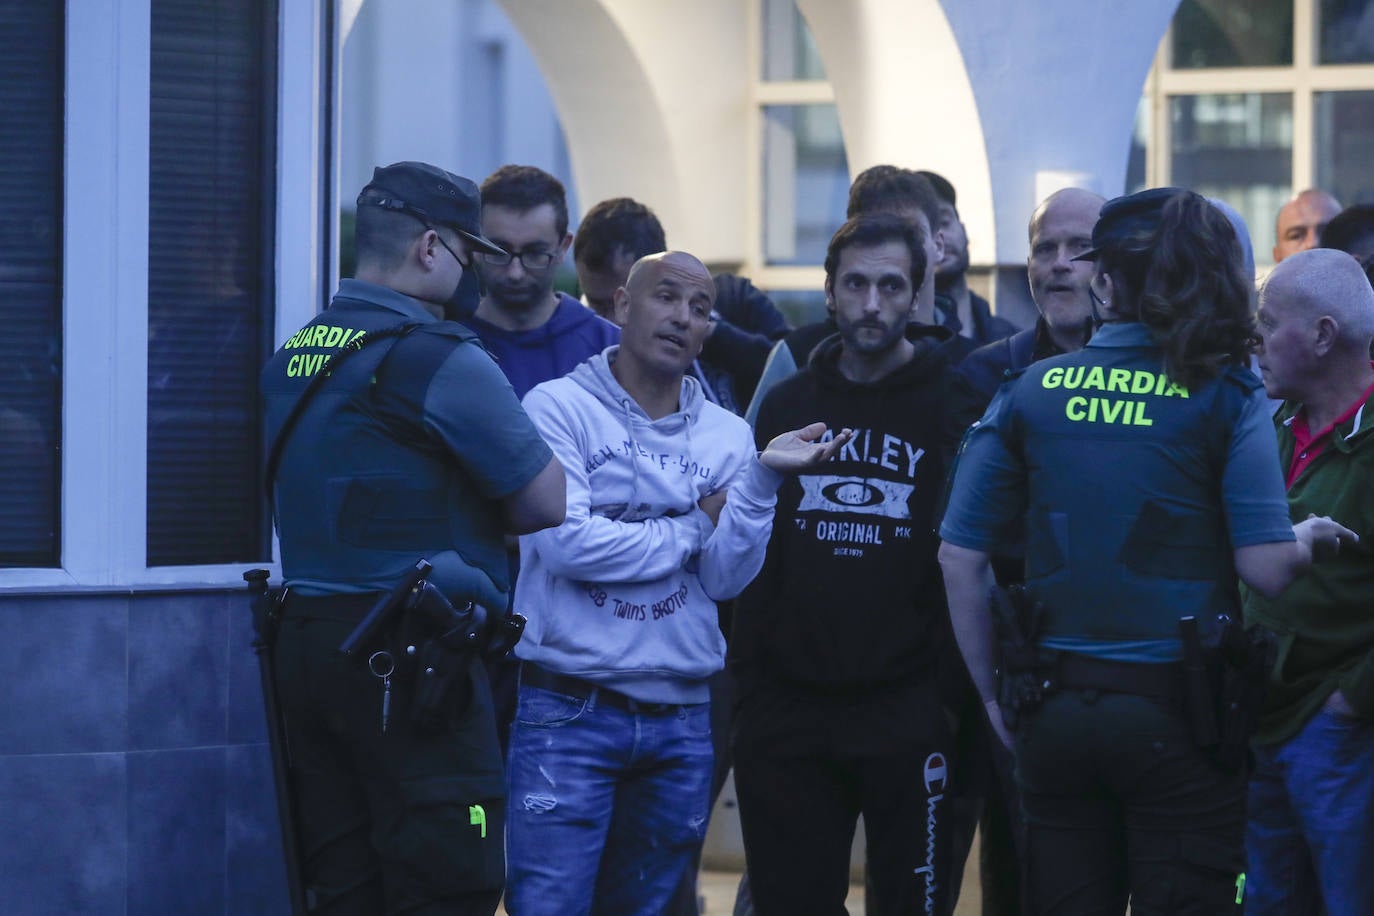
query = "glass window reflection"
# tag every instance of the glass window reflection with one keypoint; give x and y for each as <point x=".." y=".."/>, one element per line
<point x="805" y="182"/>
<point x="1347" y="32"/>
<point x="1233" y="33"/>
<point x="1344" y="146"/>
<point x="1238" y="147"/>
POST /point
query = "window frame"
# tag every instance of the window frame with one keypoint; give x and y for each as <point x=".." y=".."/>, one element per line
<point x="105" y="276"/>
<point x="1302" y="81"/>
<point x="762" y="95"/>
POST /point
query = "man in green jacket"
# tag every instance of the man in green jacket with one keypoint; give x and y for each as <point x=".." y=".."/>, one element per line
<point x="1310" y="835"/>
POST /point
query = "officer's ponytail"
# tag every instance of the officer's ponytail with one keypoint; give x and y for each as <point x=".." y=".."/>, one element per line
<point x="1190" y="290"/>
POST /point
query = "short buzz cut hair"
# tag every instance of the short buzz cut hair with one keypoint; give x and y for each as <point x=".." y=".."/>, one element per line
<point x="870" y="230"/>
<point x="380" y="236"/>
<point x="522" y="188"/>
<point x="889" y="189"/>
<point x="619" y="227"/>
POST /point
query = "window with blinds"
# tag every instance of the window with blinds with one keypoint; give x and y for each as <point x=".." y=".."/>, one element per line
<point x="210" y="276"/>
<point x="31" y="93"/>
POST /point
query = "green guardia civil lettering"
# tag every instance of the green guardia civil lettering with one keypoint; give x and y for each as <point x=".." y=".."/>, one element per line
<point x="1132" y="411"/>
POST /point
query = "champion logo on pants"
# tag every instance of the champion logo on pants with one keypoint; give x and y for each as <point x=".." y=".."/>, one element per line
<point x="935" y="772"/>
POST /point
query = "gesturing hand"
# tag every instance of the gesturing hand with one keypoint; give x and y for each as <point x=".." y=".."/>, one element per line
<point x="800" y="448"/>
<point x="1324" y="536"/>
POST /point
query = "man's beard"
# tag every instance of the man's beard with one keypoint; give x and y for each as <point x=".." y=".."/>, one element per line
<point x="518" y="296"/>
<point x="889" y="337"/>
<point x="948" y="274"/>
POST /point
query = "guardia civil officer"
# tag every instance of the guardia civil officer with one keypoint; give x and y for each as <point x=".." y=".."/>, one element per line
<point x="1145" y="467"/>
<point x="414" y="448"/>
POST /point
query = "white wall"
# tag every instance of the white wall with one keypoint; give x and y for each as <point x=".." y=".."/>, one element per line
<point x="443" y="81"/>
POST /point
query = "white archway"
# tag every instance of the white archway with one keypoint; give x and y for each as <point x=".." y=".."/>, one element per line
<point x="652" y="98"/>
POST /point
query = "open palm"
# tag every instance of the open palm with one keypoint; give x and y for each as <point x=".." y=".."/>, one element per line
<point x="801" y="448"/>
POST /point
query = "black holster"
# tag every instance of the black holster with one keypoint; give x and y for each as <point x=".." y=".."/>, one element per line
<point x="1025" y="671"/>
<point x="438" y="645"/>
<point x="433" y="645"/>
<point x="1247" y="657"/>
<point x="1225" y="687"/>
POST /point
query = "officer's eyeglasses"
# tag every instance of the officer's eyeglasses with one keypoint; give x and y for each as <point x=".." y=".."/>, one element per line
<point x="530" y="260"/>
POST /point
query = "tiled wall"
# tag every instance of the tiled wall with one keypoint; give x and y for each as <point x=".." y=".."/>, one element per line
<point x="134" y="774"/>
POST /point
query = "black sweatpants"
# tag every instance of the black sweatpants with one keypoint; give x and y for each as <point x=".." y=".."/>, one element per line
<point x="801" y="793"/>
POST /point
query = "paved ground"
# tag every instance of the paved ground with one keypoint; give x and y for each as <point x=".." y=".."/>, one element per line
<point x="717" y="889"/>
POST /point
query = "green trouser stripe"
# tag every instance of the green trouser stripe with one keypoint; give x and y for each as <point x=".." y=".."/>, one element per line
<point x="477" y="815"/>
<point x="1240" y="888"/>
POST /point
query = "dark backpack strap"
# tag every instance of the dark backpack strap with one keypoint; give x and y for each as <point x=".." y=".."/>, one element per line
<point x="393" y="334"/>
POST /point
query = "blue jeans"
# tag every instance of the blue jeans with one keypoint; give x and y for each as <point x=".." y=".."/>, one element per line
<point x="1310" y="835"/>
<point x="606" y="806"/>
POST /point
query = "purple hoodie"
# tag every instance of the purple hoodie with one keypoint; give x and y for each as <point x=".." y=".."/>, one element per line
<point x="573" y="335"/>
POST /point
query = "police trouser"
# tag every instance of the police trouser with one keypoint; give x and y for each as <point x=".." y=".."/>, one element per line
<point x="394" y="822"/>
<point x="1120" y="802"/>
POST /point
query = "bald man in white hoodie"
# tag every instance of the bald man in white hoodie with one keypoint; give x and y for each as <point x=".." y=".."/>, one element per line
<point x="669" y="510"/>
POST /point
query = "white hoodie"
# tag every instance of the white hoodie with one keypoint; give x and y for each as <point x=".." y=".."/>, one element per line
<point x="623" y="592"/>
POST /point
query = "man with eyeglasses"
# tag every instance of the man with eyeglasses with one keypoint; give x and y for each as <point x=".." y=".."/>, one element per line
<point x="412" y="447"/>
<point x="536" y="333"/>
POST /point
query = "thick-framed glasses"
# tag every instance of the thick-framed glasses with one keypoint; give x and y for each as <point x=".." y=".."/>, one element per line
<point x="530" y="260"/>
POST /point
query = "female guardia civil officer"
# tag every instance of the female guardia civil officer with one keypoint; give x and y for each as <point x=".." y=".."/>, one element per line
<point x="1146" y="469"/>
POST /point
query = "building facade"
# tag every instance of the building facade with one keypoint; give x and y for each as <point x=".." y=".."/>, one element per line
<point x="175" y="174"/>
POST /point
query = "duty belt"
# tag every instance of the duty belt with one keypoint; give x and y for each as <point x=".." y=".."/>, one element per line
<point x="1084" y="672"/>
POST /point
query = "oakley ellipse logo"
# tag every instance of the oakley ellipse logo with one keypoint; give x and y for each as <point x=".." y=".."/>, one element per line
<point x="853" y="494"/>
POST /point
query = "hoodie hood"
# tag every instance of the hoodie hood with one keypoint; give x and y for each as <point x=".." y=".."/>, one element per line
<point x="927" y="361"/>
<point x="596" y="377"/>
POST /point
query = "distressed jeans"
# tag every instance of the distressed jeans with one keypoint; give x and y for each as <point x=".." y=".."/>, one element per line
<point x="1310" y="833"/>
<point x="606" y="806"/>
